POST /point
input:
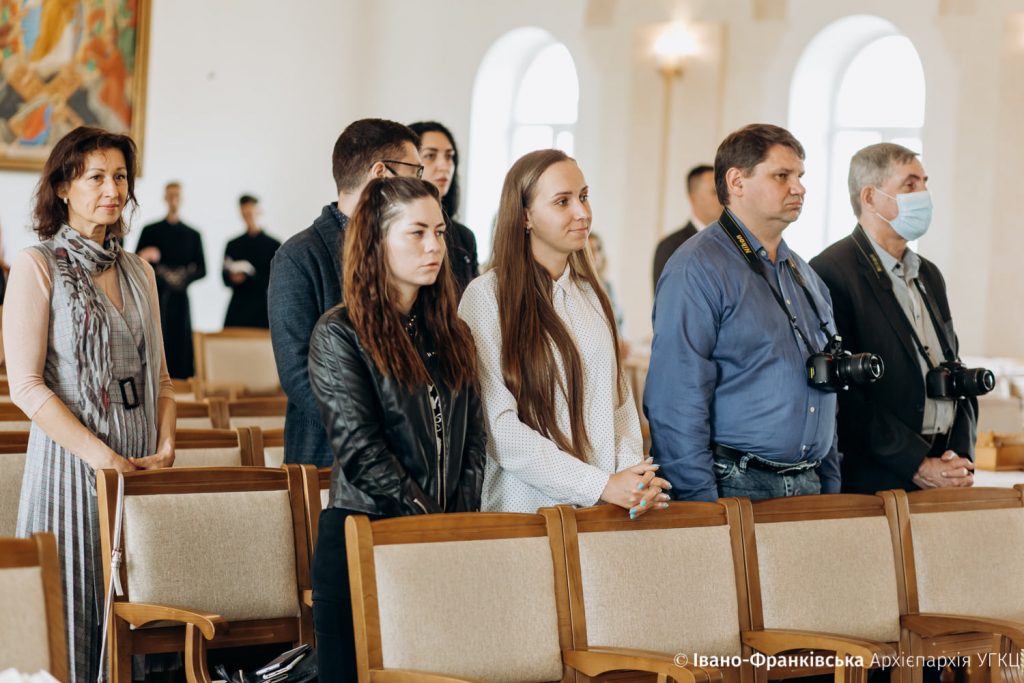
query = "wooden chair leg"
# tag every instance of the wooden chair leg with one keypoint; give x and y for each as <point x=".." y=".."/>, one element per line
<point x="195" y="656"/>
<point x="120" y="657"/>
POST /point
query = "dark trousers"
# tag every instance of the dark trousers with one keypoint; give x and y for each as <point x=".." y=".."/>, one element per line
<point x="332" y="602"/>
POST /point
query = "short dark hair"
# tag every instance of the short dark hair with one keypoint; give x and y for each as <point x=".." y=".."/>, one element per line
<point x="247" y="199"/>
<point x="694" y="176"/>
<point x="172" y="183"/>
<point x="362" y="144"/>
<point x="746" y="148"/>
<point x="450" y="202"/>
<point x="65" y="164"/>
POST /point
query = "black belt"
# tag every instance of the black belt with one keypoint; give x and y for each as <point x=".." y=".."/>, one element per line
<point x="759" y="463"/>
<point x="129" y="393"/>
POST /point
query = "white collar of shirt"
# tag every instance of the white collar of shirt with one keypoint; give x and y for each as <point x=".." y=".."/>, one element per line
<point x="697" y="223"/>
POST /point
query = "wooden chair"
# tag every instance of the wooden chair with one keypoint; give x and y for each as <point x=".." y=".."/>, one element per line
<point x="469" y="597"/>
<point x="961" y="549"/>
<point x="316" y="485"/>
<point x="235" y="362"/>
<point x="690" y="554"/>
<point x="823" y="571"/>
<point x="13" y="447"/>
<point x="215" y="448"/>
<point x="32" y="634"/>
<point x="210" y="413"/>
<point x="12" y="419"/>
<point x="265" y="413"/>
<point x="269" y="445"/>
<point x="184" y="389"/>
<point x="212" y="558"/>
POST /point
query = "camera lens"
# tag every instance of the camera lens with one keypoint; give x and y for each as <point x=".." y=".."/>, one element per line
<point x="977" y="381"/>
<point x="860" y="368"/>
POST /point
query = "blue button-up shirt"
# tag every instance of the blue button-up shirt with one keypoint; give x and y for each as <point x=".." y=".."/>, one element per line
<point x="728" y="368"/>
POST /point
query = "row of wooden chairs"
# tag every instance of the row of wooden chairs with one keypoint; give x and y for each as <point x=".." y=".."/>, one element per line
<point x="242" y="446"/>
<point x="220" y="557"/>
<point x="210" y="413"/>
<point x="697" y="592"/>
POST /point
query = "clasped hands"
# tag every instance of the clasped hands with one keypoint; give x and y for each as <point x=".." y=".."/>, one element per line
<point x="948" y="470"/>
<point x="160" y="459"/>
<point x="637" y="489"/>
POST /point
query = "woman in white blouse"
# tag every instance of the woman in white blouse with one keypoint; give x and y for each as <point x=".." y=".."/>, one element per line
<point x="561" y="421"/>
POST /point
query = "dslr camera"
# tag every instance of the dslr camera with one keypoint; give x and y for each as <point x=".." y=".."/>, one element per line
<point x="835" y="368"/>
<point x="952" y="380"/>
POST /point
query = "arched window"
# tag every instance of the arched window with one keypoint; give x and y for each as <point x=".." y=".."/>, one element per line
<point x="525" y="97"/>
<point x="869" y="88"/>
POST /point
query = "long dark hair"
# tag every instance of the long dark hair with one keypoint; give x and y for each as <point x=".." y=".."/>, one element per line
<point x="370" y="298"/>
<point x="65" y="164"/>
<point x="529" y="323"/>
<point x="449" y="202"/>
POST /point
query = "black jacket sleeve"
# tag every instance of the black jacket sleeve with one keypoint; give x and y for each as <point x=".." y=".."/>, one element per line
<point x="474" y="455"/>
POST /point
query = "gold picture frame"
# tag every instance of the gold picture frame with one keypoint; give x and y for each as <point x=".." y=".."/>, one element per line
<point x="67" y="63"/>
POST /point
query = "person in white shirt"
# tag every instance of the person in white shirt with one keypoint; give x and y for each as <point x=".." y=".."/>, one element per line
<point x="562" y="425"/>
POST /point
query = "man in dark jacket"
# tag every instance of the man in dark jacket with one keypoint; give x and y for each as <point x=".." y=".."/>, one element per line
<point x="705" y="208"/>
<point x="892" y="302"/>
<point x="247" y="269"/>
<point x="305" y="275"/>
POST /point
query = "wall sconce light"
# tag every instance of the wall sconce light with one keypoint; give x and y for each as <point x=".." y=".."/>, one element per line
<point x="672" y="47"/>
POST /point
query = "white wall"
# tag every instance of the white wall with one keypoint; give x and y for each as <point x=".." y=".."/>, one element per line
<point x="251" y="99"/>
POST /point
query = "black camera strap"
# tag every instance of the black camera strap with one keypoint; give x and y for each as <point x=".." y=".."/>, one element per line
<point x="940" y="331"/>
<point x="861" y="240"/>
<point x="735" y="233"/>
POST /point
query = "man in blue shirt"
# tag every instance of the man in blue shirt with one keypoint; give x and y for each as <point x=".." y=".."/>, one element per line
<point x="736" y="316"/>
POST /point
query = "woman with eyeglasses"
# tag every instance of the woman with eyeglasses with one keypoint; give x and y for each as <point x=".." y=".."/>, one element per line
<point x="440" y="159"/>
<point x="562" y="424"/>
<point x="394" y="372"/>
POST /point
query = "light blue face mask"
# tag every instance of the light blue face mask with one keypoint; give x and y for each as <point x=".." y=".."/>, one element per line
<point x="915" y="214"/>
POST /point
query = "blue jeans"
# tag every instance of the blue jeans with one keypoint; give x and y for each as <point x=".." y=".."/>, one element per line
<point x="740" y="479"/>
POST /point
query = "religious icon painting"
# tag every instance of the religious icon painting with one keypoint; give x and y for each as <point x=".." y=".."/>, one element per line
<point x="69" y="63"/>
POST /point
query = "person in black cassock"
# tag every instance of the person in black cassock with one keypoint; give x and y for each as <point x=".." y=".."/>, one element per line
<point x="176" y="252"/>
<point x="247" y="269"/>
<point x="440" y="160"/>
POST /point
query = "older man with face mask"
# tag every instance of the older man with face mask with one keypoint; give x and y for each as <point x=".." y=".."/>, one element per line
<point x="914" y="428"/>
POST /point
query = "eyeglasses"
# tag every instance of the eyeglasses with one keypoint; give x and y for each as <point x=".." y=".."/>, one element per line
<point x="419" y="168"/>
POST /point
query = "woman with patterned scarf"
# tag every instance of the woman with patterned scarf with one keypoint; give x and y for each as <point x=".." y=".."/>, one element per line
<point x="85" y="362"/>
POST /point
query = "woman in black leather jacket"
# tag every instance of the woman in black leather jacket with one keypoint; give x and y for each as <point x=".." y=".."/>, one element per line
<point x="393" y="369"/>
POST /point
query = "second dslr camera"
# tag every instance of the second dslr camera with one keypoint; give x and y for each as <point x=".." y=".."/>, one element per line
<point x="953" y="380"/>
<point x="835" y="368"/>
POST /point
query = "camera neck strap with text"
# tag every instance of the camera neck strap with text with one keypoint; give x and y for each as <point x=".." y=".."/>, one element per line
<point x="739" y="240"/>
<point x="860" y="238"/>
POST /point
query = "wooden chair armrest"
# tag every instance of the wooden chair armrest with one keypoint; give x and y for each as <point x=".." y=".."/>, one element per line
<point x="774" y="641"/>
<point x="411" y="676"/>
<point x="307" y="597"/>
<point x="139" y="614"/>
<point x="932" y="625"/>
<point x="595" y="661"/>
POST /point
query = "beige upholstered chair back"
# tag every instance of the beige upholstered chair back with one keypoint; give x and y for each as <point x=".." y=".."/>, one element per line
<point x="829" y="575"/>
<point x="31" y="618"/>
<point x="481" y="609"/>
<point x="271" y="441"/>
<point x="967" y="562"/>
<point x="194" y="423"/>
<point x="208" y="457"/>
<point x="12" y="469"/>
<point x="240" y="559"/>
<point x="239" y="359"/>
<point x="23" y="641"/>
<point x="704" y="613"/>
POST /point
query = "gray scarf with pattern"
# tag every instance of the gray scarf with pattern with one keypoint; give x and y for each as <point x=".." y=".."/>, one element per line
<point x="78" y="260"/>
